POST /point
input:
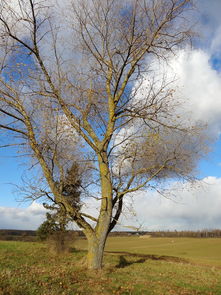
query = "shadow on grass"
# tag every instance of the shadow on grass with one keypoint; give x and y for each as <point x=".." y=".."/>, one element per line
<point x="123" y="262"/>
<point x="74" y="250"/>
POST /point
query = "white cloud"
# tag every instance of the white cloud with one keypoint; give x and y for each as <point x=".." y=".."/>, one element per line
<point x="22" y="218"/>
<point x="200" y="85"/>
<point x="188" y="209"/>
<point x="197" y="86"/>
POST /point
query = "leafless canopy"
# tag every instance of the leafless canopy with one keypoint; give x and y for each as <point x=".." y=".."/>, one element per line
<point x="78" y="85"/>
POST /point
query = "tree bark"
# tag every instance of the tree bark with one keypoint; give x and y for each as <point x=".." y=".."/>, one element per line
<point x="95" y="251"/>
<point x="97" y="239"/>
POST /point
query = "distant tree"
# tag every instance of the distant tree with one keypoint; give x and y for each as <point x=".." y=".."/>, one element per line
<point x="84" y="90"/>
<point x="48" y="227"/>
<point x="54" y="231"/>
<point x="54" y="228"/>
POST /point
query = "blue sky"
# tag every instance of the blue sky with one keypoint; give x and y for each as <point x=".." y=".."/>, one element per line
<point x="201" y="64"/>
<point x="212" y="165"/>
<point x="11" y="171"/>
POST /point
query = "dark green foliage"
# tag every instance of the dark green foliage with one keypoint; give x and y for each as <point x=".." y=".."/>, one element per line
<point x="48" y="227"/>
<point x="54" y="231"/>
<point x="54" y="228"/>
<point x="70" y="187"/>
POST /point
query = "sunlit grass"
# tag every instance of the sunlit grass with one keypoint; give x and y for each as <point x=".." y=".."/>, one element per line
<point x="205" y="251"/>
<point x="159" y="267"/>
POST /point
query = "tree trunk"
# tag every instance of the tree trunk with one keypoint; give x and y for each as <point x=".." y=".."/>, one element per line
<point x="95" y="252"/>
<point x="97" y="239"/>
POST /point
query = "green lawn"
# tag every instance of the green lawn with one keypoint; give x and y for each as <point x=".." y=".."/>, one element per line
<point x="205" y="251"/>
<point x="161" y="266"/>
<point x="201" y="251"/>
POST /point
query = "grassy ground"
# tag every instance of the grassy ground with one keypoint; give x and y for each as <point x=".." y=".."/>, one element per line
<point x="204" y="251"/>
<point x="144" y="266"/>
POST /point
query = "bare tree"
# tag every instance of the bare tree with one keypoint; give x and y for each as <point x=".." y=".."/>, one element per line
<point x="81" y="80"/>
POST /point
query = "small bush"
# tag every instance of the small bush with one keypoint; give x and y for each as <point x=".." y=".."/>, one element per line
<point x="53" y="231"/>
<point x="60" y="242"/>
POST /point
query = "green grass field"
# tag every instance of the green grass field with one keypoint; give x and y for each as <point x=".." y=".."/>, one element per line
<point x="205" y="251"/>
<point x="133" y="265"/>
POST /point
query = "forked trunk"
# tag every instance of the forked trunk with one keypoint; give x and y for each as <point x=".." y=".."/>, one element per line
<point x="95" y="252"/>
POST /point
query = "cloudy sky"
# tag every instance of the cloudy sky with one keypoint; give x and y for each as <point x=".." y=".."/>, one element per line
<point x="199" y="74"/>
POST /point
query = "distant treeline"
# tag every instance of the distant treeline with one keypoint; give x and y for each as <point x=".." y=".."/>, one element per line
<point x="215" y="233"/>
<point x="24" y="235"/>
<point x="30" y="235"/>
<point x="17" y="235"/>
